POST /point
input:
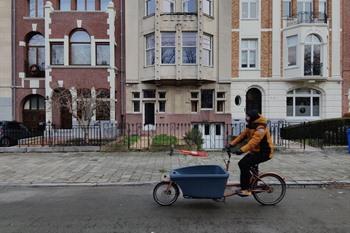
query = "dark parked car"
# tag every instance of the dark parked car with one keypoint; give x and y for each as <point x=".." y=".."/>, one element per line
<point x="11" y="132"/>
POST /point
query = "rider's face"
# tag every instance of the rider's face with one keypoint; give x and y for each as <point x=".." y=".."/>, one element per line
<point x="247" y="118"/>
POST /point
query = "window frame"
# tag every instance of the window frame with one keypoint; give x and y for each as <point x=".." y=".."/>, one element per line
<point x="211" y="8"/>
<point x="211" y="50"/>
<point x="51" y="53"/>
<point x="37" y="8"/>
<point x="312" y="44"/>
<point x="220" y="99"/>
<point x="147" y="36"/>
<point x="289" y="46"/>
<point x="40" y="73"/>
<point x="86" y="5"/>
<point x="168" y="2"/>
<point x="212" y="101"/>
<point x="194" y="100"/>
<point x="147" y="13"/>
<point x="162" y="100"/>
<point x="249" y="17"/>
<point x="183" y="47"/>
<point x="96" y="52"/>
<point x="188" y="12"/>
<point x="290" y="8"/>
<point x="249" y="50"/>
<point x="134" y="100"/>
<point x="313" y="93"/>
<point x="161" y="48"/>
<point x="78" y="43"/>
<point x="70" y="5"/>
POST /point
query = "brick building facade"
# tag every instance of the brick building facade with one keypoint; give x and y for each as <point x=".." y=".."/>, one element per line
<point x="68" y="44"/>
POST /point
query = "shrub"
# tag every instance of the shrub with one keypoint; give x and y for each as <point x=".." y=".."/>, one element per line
<point x="194" y="138"/>
<point x="164" y="140"/>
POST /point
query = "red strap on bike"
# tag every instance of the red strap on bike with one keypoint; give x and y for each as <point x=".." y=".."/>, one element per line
<point x="194" y="153"/>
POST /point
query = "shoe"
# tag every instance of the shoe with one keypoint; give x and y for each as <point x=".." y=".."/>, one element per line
<point x="244" y="193"/>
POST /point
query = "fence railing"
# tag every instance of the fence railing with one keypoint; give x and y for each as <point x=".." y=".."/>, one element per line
<point x="162" y="136"/>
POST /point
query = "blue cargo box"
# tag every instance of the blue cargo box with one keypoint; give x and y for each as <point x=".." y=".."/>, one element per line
<point x="207" y="181"/>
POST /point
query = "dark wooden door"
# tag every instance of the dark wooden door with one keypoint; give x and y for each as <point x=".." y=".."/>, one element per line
<point x="149" y="114"/>
<point x="254" y="100"/>
<point x="66" y="118"/>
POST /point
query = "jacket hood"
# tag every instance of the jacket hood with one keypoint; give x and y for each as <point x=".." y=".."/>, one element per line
<point x="261" y="120"/>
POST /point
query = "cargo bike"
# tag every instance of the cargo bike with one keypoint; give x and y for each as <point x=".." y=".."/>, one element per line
<point x="211" y="182"/>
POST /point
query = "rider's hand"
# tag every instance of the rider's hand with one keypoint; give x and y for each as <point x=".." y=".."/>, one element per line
<point x="239" y="152"/>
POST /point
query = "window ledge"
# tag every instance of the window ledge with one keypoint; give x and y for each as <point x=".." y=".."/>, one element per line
<point x="250" y="69"/>
<point x="208" y="16"/>
<point x="33" y="18"/>
<point x="148" y="16"/>
<point x="207" y="109"/>
<point x="78" y="67"/>
<point x="249" y="19"/>
<point x="291" y="67"/>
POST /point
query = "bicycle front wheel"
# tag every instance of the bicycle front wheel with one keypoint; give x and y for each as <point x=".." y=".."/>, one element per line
<point x="269" y="189"/>
<point x="165" y="194"/>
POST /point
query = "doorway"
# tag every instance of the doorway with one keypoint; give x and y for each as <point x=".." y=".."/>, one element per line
<point x="149" y="116"/>
<point x="254" y="100"/>
<point x="213" y="135"/>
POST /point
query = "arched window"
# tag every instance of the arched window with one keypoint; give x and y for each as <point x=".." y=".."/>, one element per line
<point x="312" y="56"/>
<point x="36" y="56"/>
<point x="303" y="102"/>
<point x="80" y="48"/>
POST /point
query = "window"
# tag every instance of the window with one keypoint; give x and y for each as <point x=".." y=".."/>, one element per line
<point x="189" y="47"/>
<point x="292" y="42"/>
<point x="136" y="101"/>
<point x="36" y="56"/>
<point x="249" y="9"/>
<point x="102" y="54"/>
<point x="207" y="50"/>
<point x="189" y="6"/>
<point x="36" y="8"/>
<point x="208" y="7"/>
<point x="207" y="99"/>
<point x="287" y="8"/>
<point x="65" y="5"/>
<point x="194" y="102"/>
<point x="104" y="4"/>
<point x="323" y="9"/>
<point x="249" y="53"/>
<point x="305" y="9"/>
<point x="86" y="5"/>
<point x="220" y="102"/>
<point x="34" y="102"/>
<point x="149" y="94"/>
<point x="150" y="45"/>
<point x="206" y="130"/>
<point x="303" y="103"/>
<point x="161" y="101"/>
<point x="103" y="105"/>
<point x="168" y="6"/>
<point x="218" y="130"/>
<point x="150" y="7"/>
<point x="168" y="47"/>
<point x="57" y="53"/>
<point x="80" y="48"/>
<point x="312" y="56"/>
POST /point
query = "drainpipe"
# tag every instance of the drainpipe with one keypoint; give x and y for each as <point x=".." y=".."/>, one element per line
<point x="122" y="61"/>
<point x="13" y="55"/>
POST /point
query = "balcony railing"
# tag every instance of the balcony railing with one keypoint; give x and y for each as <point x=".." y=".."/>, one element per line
<point x="307" y="17"/>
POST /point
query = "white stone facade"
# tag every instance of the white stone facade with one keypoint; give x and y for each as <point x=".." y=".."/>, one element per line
<point x="6" y="62"/>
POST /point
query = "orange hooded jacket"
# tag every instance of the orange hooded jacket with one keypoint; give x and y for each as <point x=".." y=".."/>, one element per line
<point x="259" y="139"/>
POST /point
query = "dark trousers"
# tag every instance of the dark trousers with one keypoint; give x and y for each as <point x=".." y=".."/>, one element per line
<point x="248" y="161"/>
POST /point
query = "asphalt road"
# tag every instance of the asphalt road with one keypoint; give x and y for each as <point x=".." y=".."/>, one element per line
<point x="132" y="209"/>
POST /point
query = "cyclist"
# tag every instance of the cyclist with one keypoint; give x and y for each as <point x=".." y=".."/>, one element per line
<point x="259" y="146"/>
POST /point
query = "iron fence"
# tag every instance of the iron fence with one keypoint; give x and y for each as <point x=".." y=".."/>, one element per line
<point x="163" y="136"/>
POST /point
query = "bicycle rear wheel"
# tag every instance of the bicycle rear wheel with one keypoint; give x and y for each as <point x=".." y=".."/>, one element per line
<point x="269" y="189"/>
<point x="165" y="195"/>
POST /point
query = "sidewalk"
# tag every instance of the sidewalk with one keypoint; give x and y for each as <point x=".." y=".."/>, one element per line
<point x="131" y="168"/>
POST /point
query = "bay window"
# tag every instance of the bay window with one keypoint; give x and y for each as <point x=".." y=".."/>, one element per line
<point x="207" y="50"/>
<point x="150" y="49"/>
<point x="168" y="47"/>
<point x="312" y="56"/>
<point x="208" y="7"/>
<point x="189" y="47"/>
<point x="150" y="7"/>
<point x="168" y="6"/>
<point x="292" y="43"/>
<point x="189" y="6"/>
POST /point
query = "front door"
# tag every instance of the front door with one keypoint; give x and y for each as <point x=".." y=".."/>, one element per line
<point x="213" y="136"/>
<point x="149" y="116"/>
<point x="254" y="100"/>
